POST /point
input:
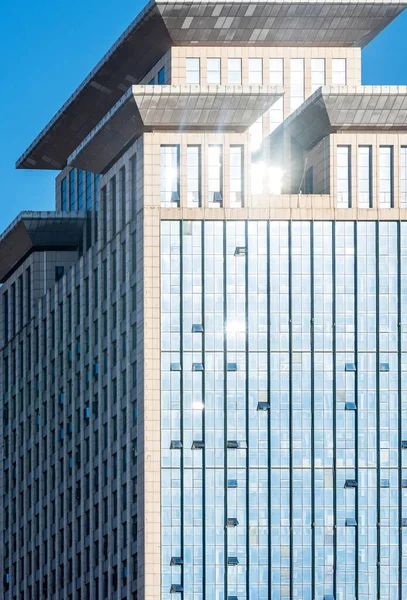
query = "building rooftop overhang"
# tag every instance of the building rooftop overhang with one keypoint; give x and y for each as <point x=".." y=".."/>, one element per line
<point x="163" y="24"/>
<point x="147" y="108"/>
<point x="34" y="231"/>
<point x="333" y="109"/>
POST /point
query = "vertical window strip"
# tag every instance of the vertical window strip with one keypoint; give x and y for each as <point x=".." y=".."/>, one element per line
<point x="72" y="189"/>
<point x="193" y="68"/>
<point x="104" y="214"/>
<point x="403" y="177"/>
<point x="276" y="66"/>
<point x="365" y="177"/>
<point x="80" y="189"/>
<point x="386" y="176"/>
<point x="343" y="158"/>
<point x="235" y="71"/>
<point x="134" y="185"/>
<point x="213" y="73"/>
<point x="276" y="114"/>
<point x="339" y="71"/>
<point x="317" y="73"/>
<point x="88" y="190"/>
<point x="256" y="71"/>
<point x="123" y="195"/>
<point x="113" y="204"/>
<point x="64" y="206"/>
<point x="215" y="175"/>
<point x="170" y="180"/>
<point x="194" y="176"/>
<point x="297" y="83"/>
<point x="236" y="176"/>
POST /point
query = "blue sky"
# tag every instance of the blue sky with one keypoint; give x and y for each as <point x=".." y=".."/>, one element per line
<point x="47" y="47"/>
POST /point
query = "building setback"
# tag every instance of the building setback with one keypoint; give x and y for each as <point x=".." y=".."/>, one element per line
<point x="204" y="348"/>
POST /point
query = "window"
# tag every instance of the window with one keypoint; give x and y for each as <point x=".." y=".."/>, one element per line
<point x="256" y="134"/>
<point x="169" y="176"/>
<point x="88" y="191"/>
<point x="215" y="176"/>
<point x="193" y="70"/>
<point x="365" y="176"/>
<point x="80" y="189"/>
<point x="63" y="195"/>
<point x="386" y="176"/>
<point x="344" y="179"/>
<point x="276" y="71"/>
<point x="297" y="82"/>
<point x="236" y="176"/>
<point x="104" y="214"/>
<point x="194" y="176"/>
<point x="72" y="189"/>
<point x="309" y="181"/>
<point x="339" y="71"/>
<point x="134" y="184"/>
<point x="161" y="76"/>
<point x="113" y="203"/>
<point x="317" y="73"/>
<point x="152" y="81"/>
<point x="59" y="273"/>
<point x="256" y="71"/>
<point x="123" y="195"/>
<point x="235" y="70"/>
<point x="403" y="177"/>
<point x="276" y="114"/>
<point x="213" y="71"/>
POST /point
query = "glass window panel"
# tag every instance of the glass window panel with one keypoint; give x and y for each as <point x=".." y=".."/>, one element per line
<point x="235" y="70"/>
<point x="276" y="114"/>
<point x="256" y="71"/>
<point x="63" y="195"/>
<point x="213" y="71"/>
<point x="276" y="71"/>
<point x="80" y="189"/>
<point x="215" y="176"/>
<point x="317" y="73"/>
<point x="343" y="176"/>
<point x="161" y="76"/>
<point x="193" y="70"/>
<point x="297" y="82"/>
<point x="339" y="71"/>
<point x="365" y="176"/>
<point x="236" y="176"/>
<point x="72" y="189"/>
<point x="169" y="184"/>
<point x="194" y="176"/>
<point x="386" y="176"/>
<point x="403" y="176"/>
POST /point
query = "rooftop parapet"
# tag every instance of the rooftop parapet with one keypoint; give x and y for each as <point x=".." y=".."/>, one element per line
<point x="162" y="24"/>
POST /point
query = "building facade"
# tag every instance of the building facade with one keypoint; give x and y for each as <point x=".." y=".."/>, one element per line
<point x="204" y="348"/>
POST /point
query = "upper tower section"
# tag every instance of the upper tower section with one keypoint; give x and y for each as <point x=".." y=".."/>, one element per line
<point x="164" y="24"/>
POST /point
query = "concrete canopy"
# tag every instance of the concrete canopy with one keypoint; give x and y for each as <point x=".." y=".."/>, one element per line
<point x="33" y="231"/>
<point x="164" y="24"/>
<point x="171" y="108"/>
<point x="332" y="109"/>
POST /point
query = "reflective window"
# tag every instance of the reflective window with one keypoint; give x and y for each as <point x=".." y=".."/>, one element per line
<point x="152" y="81"/>
<point x="215" y="168"/>
<point x="386" y="176"/>
<point x="365" y="176"/>
<point x="80" y="189"/>
<point x="161" y="76"/>
<point x="403" y="177"/>
<point x="235" y="70"/>
<point x="256" y="71"/>
<point x="276" y="71"/>
<point x="213" y="71"/>
<point x="297" y="82"/>
<point x="88" y="191"/>
<point x="169" y="176"/>
<point x="63" y="195"/>
<point x="134" y="184"/>
<point x="194" y="176"/>
<point x="256" y="134"/>
<point x="72" y="189"/>
<point x="276" y="114"/>
<point x="193" y="70"/>
<point x="236" y="176"/>
<point x="317" y="73"/>
<point x="113" y="204"/>
<point x="339" y="71"/>
<point x="343" y="174"/>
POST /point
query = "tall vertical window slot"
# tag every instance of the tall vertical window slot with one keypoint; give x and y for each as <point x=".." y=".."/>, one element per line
<point x="386" y="176"/>
<point x="88" y="190"/>
<point x="213" y="71"/>
<point x="403" y="177"/>
<point x="104" y="213"/>
<point x="80" y="189"/>
<point x="256" y="71"/>
<point x="170" y="176"/>
<point x="123" y="195"/>
<point x="343" y="176"/>
<point x="113" y="204"/>
<point x="28" y="288"/>
<point x="193" y="74"/>
<point x="297" y="83"/>
<point x="5" y="317"/>
<point x="276" y="114"/>
<point x="317" y="73"/>
<point x="235" y="70"/>
<point x="339" y="71"/>
<point x="64" y="206"/>
<point x="96" y="204"/>
<point x="365" y="177"/>
<point x="236" y="176"/>
<point x="134" y="185"/>
<point x="194" y="176"/>
<point x="161" y="76"/>
<point x="276" y="66"/>
<point x="215" y="176"/>
<point x="72" y="189"/>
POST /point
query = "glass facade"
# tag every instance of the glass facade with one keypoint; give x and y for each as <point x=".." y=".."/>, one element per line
<point x="283" y="417"/>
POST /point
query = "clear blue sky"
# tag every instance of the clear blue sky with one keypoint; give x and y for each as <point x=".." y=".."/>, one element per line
<point x="47" y="47"/>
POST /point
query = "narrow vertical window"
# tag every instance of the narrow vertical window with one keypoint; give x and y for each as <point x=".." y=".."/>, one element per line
<point x="161" y="76"/>
<point x="104" y="214"/>
<point x="96" y="203"/>
<point x="13" y="309"/>
<point x="297" y="83"/>
<point x="213" y="71"/>
<point x="339" y="71"/>
<point x="236" y="177"/>
<point x="28" y="288"/>
<point x="113" y="204"/>
<point x="72" y="189"/>
<point x="80" y="189"/>
<point x="276" y="66"/>
<point x="193" y="74"/>
<point x="88" y="191"/>
<point x="215" y="176"/>
<point x="170" y="176"/>
<point x="123" y="196"/>
<point x="194" y="176"/>
<point x="256" y="71"/>
<point x="365" y="176"/>
<point x="386" y="176"/>
<point x="343" y="176"/>
<point x="21" y="301"/>
<point x="403" y="177"/>
<point x="276" y="114"/>
<point x="235" y="70"/>
<point x="134" y="185"/>
<point x="64" y="206"/>
<point x="317" y="73"/>
<point x="256" y="134"/>
<point x="5" y="317"/>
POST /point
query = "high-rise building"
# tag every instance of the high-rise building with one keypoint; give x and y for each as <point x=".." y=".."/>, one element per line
<point x="204" y="348"/>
